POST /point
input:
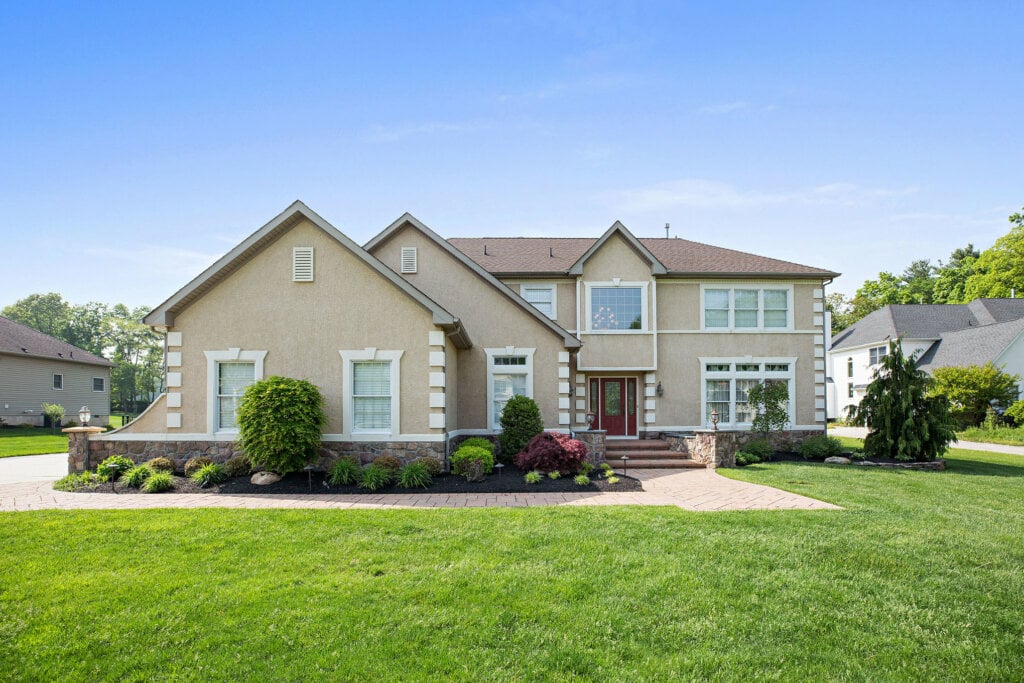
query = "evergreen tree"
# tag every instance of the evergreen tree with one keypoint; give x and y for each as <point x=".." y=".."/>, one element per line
<point x="904" y="420"/>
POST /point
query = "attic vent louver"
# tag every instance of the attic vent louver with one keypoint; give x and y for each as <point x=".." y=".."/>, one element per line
<point x="302" y="264"/>
<point x="409" y="259"/>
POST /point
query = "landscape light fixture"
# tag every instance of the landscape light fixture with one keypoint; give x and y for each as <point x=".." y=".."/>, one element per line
<point x="660" y="391"/>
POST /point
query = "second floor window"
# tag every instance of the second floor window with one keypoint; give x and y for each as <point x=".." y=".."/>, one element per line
<point x="616" y="308"/>
<point x="876" y="354"/>
<point x="742" y="308"/>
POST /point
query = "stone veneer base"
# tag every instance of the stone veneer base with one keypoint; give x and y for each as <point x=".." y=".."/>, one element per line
<point x="81" y="458"/>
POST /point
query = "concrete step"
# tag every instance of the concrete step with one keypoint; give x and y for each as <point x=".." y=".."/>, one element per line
<point x="643" y="454"/>
<point x="659" y="464"/>
<point x="636" y="445"/>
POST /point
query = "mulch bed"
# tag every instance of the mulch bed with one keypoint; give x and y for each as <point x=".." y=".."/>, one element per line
<point x="300" y="482"/>
<point x="780" y="456"/>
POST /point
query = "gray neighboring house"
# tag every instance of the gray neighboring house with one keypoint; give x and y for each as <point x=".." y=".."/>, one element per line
<point x="36" y="368"/>
<point x="943" y="335"/>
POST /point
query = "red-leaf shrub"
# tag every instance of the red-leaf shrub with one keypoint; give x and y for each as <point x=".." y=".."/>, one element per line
<point x="552" y="451"/>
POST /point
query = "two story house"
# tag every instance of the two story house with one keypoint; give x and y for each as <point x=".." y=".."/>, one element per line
<point x="415" y="340"/>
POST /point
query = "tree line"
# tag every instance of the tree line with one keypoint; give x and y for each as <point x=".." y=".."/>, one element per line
<point x="113" y="332"/>
<point x="997" y="272"/>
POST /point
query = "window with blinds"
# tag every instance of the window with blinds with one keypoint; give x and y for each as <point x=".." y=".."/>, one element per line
<point x="409" y="259"/>
<point x="232" y="380"/>
<point x="371" y="395"/>
<point x="302" y="264"/>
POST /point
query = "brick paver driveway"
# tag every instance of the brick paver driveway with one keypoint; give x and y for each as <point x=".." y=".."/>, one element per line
<point x="688" y="489"/>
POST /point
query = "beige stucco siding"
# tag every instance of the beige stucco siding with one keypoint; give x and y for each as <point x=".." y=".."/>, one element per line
<point x="492" y="321"/>
<point x="679" y="370"/>
<point x="304" y="325"/>
<point x="678" y="305"/>
<point x="565" y="297"/>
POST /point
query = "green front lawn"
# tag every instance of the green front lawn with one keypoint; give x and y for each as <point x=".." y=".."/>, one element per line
<point x="31" y="441"/>
<point x="920" y="577"/>
<point x="1009" y="436"/>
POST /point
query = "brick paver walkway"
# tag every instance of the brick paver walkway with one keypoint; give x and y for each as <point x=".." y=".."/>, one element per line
<point x="687" y="489"/>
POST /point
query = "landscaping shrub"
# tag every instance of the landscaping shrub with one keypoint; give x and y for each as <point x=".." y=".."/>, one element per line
<point x="196" y="464"/>
<point x="414" y="475"/>
<point x="388" y="462"/>
<point x="137" y="476"/>
<point x="344" y="472"/>
<point x="743" y="459"/>
<point x="972" y="389"/>
<point x="461" y="459"/>
<point x="77" y="480"/>
<point x="552" y="451"/>
<point x="613" y="480"/>
<point x="533" y="477"/>
<point x="433" y="465"/>
<point x="520" y="422"/>
<point x="769" y="399"/>
<point x="237" y="466"/>
<point x="582" y="479"/>
<point x="374" y="477"/>
<point x="55" y="412"/>
<point x="586" y="468"/>
<point x="159" y="482"/>
<point x="478" y="442"/>
<point x="554" y="474"/>
<point x="759" y="447"/>
<point x="279" y="423"/>
<point x="113" y="467"/>
<point x="820" y="447"/>
<point x="1016" y="413"/>
<point x="161" y="464"/>
<point x="209" y="475"/>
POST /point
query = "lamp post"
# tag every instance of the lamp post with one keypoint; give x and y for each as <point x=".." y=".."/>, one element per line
<point x="714" y="419"/>
<point x="84" y="415"/>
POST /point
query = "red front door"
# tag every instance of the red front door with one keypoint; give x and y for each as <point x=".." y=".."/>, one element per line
<point x="616" y="405"/>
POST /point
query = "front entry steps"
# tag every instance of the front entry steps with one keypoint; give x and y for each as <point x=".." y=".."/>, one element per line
<point x="646" y="454"/>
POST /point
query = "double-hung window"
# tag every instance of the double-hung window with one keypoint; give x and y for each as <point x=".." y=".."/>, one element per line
<point x="371" y="396"/>
<point x="876" y="354"/>
<point x="232" y="380"/>
<point x="746" y="308"/>
<point x="58" y="381"/>
<point x="99" y="384"/>
<point x="541" y="297"/>
<point x="509" y="373"/>
<point x="727" y="383"/>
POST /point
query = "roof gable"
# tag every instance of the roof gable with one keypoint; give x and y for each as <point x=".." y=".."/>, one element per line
<point x="257" y="241"/>
<point x="409" y="220"/>
<point x="21" y="340"/>
<point x="617" y="228"/>
<point x="972" y="346"/>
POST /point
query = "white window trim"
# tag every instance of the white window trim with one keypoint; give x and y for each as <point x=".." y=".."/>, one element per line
<point x="493" y="369"/>
<point x="762" y="375"/>
<point x="226" y="355"/>
<point x="348" y="357"/>
<point x="760" y="287"/>
<point x="53" y="382"/>
<point x="645" y="318"/>
<point x="552" y="286"/>
<point x="104" y="380"/>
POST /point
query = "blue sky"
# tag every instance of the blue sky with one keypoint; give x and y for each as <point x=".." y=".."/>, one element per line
<point x="142" y="142"/>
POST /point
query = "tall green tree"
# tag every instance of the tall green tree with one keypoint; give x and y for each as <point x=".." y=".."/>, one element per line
<point x="137" y="352"/>
<point x="951" y="280"/>
<point x="999" y="271"/>
<point x="905" y="420"/>
<point x="47" y="313"/>
<point x="971" y="389"/>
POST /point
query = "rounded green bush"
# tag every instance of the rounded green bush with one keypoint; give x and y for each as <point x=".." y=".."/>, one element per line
<point x="237" y="466"/>
<point x="196" y="464"/>
<point x="478" y="442"/>
<point x="344" y="472"/>
<point x="137" y="476"/>
<point x="279" y="423"/>
<point x="582" y="479"/>
<point x="159" y="482"/>
<point x="161" y="463"/>
<point x="759" y="447"/>
<point x="520" y="422"/>
<point x="1016" y="413"/>
<point x="533" y="477"/>
<point x="466" y="454"/>
<point x="433" y="465"/>
<point x="113" y="467"/>
<point x="388" y="462"/>
<point x="820" y="447"/>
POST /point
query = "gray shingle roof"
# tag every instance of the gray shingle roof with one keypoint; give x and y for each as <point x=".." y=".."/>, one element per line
<point x="973" y="346"/>
<point x="21" y="340"/>
<point x="908" y="321"/>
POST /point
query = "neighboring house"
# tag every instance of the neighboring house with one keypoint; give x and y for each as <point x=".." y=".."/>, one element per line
<point x="943" y="335"/>
<point x="36" y="369"/>
<point x="414" y="339"/>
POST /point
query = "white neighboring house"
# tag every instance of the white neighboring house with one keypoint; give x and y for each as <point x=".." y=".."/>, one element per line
<point x="943" y="335"/>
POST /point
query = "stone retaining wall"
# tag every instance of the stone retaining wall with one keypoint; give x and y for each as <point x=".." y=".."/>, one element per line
<point x="595" y="440"/>
<point x="718" y="448"/>
<point x="84" y="455"/>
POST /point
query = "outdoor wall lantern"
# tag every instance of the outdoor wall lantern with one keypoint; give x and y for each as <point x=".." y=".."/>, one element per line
<point x="714" y="419"/>
<point x="660" y="390"/>
<point x="84" y="415"/>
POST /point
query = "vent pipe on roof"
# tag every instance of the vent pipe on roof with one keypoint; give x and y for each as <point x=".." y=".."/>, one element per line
<point x="551" y="252"/>
<point x="485" y="250"/>
<point x="666" y="230"/>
